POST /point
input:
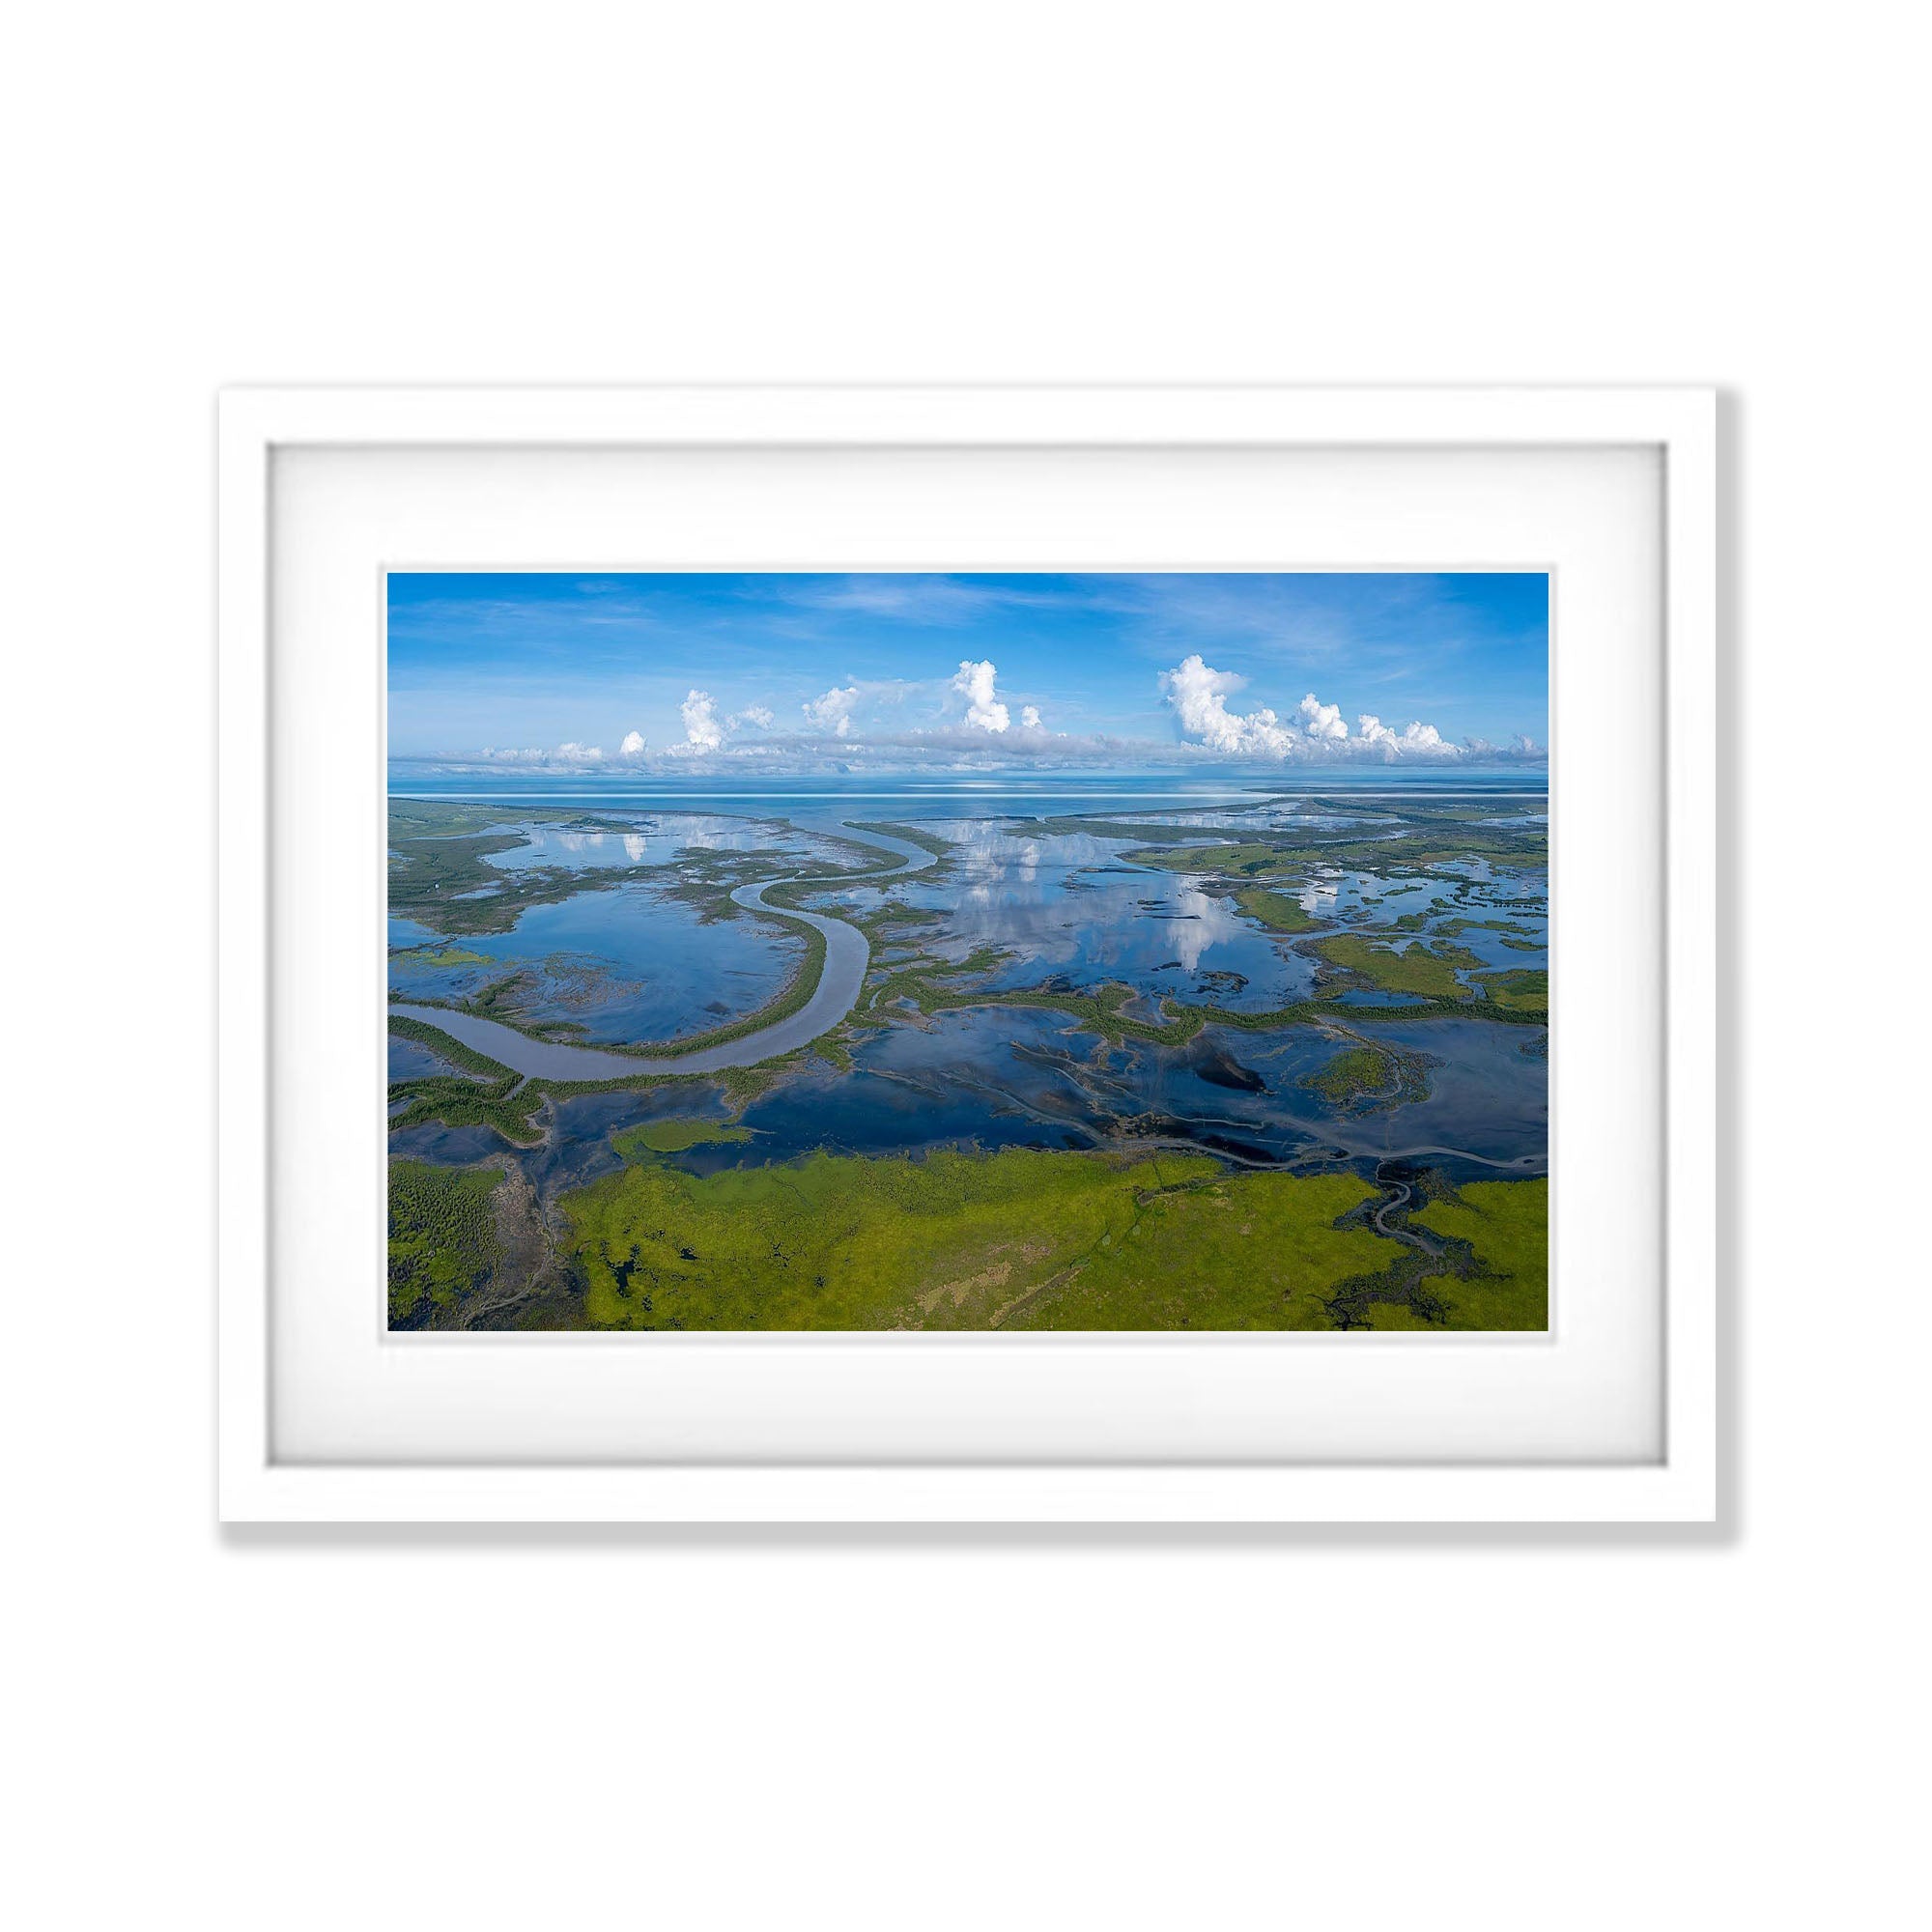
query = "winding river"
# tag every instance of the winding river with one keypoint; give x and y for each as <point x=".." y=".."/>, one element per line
<point x="847" y="954"/>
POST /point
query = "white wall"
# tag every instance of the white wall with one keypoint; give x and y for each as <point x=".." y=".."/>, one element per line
<point x="1493" y="1730"/>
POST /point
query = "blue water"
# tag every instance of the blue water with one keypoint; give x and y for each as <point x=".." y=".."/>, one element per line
<point x="1067" y="910"/>
<point x="866" y="795"/>
<point x="626" y="964"/>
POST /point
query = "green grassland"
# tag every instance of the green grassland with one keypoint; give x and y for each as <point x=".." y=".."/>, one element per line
<point x="655" y="1137"/>
<point x="442" y="1238"/>
<point x="1506" y="1223"/>
<point x="1491" y="1272"/>
<point x="1274" y="910"/>
<point x="1027" y="1239"/>
<point x="1427" y="971"/>
<point x="1519" y="990"/>
<point x="1020" y="1238"/>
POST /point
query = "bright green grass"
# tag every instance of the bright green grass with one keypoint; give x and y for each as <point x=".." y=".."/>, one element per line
<point x="1275" y="910"/>
<point x="1417" y="969"/>
<point x="443" y="1237"/>
<point x="1522" y="989"/>
<point x="1246" y="1251"/>
<point x="1507" y="1222"/>
<point x="1017" y="1238"/>
<point x="674" y="1137"/>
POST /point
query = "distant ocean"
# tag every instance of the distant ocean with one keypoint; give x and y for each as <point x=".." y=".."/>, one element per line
<point x="959" y="794"/>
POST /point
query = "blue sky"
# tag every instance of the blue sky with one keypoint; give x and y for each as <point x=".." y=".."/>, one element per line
<point x="566" y="672"/>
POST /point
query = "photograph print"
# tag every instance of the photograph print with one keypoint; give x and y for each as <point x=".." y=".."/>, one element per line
<point x="934" y="953"/>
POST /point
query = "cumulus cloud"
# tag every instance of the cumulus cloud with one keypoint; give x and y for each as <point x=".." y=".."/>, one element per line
<point x="1030" y="718"/>
<point x="533" y="755"/>
<point x="701" y="729"/>
<point x="1323" y="720"/>
<point x="973" y="682"/>
<point x="755" y="715"/>
<point x="580" y="755"/>
<point x="633" y="745"/>
<point x="1199" y="696"/>
<point x="1416" y="741"/>
<point x="834" y="711"/>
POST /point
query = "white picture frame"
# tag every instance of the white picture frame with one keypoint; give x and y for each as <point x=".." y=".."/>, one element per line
<point x="1679" y="1483"/>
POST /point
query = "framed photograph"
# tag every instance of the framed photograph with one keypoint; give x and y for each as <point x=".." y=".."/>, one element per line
<point x="968" y="955"/>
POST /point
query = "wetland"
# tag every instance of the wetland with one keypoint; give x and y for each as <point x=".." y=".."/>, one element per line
<point x="1124" y="1054"/>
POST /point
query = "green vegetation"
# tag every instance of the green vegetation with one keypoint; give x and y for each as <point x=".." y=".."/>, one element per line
<point x="923" y="983"/>
<point x="434" y="818"/>
<point x="1241" y="859"/>
<point x="1430" y="971"/>
<point x="1414" y="843"/>
<point x="502" y="1100"/>
<point x="1019" y="1238"/>
<point x="926" y="985"/>
<point x="835" y="1049"/>
<point x="885" y="925"/>
<point x="1454" y="928"/>
<point x="1371" y="1074"/>
<point x="1063" y="826"/>
<point x="1356" y="1075"/>
<point x="1274" y="910"/>
<point x="434" y="956"/>
<point x="911" y="835"/>
<point x="1506" y="1225"/>
<point x="442" y="818"/>
<point x="509" y="1108"/>
<point x="1249" y="1251"/>
<point x="430" y="879"/>
<point x="450" y="1047"/>
<point x="442" y="1238"/>
<point x="1521" y="989"/>
<point x="440" y="853"/>
<point x="674" y="1137"/>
